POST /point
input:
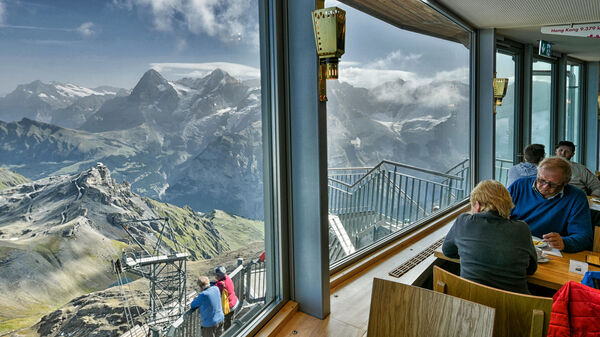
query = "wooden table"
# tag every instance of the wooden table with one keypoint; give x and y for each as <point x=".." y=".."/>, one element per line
<point x="552" y="274"/>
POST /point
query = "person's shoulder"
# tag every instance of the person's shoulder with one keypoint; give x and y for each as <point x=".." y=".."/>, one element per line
<point x="518" y="224"/>
<point x="464" y="217"/>
<point x="521" y="182"/>
<point x="575" y="193"/>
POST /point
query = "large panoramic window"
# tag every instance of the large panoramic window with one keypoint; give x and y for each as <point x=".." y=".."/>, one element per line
<point x="573" y="107"/>
<point x="505" y="117"/>
<point x="397" y="128"/>
<point x="541" y="104"/>
<point x="131" y="164"/>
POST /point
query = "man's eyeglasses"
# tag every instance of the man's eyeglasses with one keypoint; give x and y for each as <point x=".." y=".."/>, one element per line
<point x="541" y="181"/>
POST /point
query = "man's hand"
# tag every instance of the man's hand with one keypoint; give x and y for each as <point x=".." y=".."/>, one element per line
<point x="554" y="240"/>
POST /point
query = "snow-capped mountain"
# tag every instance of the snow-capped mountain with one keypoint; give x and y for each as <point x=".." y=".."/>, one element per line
<point x="40" y="101"/>
<point x="198" y="141"/>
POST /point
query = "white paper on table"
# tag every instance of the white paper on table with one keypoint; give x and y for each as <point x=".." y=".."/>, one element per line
<point x="595" y="207"/>
<point x="578" y="267"/>
<point x="551" y="251"/>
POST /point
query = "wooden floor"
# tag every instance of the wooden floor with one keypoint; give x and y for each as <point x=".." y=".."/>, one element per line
<point x="350" y="300"/>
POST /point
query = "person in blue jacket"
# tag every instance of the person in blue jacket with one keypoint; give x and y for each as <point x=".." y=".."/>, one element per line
<point x="211" y="311"/>
<point x="554" y="210"/>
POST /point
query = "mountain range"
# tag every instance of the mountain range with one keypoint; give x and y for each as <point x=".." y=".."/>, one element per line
<point x="198" y="141"/>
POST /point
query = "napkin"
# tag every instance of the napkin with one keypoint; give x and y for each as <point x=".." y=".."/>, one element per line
<point x="551" y="251"/>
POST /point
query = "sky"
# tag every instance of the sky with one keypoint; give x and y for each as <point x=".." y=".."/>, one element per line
<point x="113" y="42"/>
<point x="377" y="52"/>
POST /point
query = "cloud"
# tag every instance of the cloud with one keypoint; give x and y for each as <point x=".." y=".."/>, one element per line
<point x="180" y="44"/>
<point x="229" y="21"/>
<point x="52" y="42"/>
<point x="2" y="13"/>
<point x="395" y="60"/>
<point x="86" y="29"/>
<point x="364" y="77"/>
<point x="236" y="70"/>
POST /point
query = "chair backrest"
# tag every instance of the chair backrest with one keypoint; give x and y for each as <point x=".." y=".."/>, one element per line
<point x="516" y="314"/>
<point x="402" y="310"/>
<point x="596" y="239"/>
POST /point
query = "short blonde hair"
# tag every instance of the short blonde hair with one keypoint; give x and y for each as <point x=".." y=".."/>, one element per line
<point x="492" y="196"/>
<point x="203" y="282"/>
<point x="554" y="163"/>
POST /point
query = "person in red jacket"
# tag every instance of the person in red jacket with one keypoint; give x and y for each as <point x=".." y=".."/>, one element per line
<point x="224" y="281"/>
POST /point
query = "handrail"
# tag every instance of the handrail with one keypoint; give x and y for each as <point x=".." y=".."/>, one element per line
<point x="441" y="174"/>
<point x="457" y="165"/>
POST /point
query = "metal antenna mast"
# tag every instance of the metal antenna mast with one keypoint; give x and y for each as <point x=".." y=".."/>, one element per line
<point x="165" y="268"/>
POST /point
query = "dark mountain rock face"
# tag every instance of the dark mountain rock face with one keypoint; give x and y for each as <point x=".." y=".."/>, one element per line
<point x="152" y="101"/>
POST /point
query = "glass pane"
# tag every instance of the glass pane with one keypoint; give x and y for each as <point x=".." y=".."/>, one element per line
<point x="505" y="118"/>
<point x="573" y="107"/>
<point x="398" y="132"/>
<point x="541" y="103"/>
<point x="131" y="135"/>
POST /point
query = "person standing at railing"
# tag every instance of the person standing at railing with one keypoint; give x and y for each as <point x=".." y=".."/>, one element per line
<point x="211" y="312"/>
<point x="225" y="282"/>
<point x="533" y="155"/>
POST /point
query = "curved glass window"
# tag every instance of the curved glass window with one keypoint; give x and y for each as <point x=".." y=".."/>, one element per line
<point x="573" y="107"/>
<point x="131" y="164"/>
<point x="398" y="129"/>
<point x="505" y="117"/>
<point x="541" y="104"/>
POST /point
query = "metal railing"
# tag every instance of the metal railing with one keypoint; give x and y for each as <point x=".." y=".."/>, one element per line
<point x="250" y="287"/>
<point x="501" y="169"/>
<point x="374" y="202"/>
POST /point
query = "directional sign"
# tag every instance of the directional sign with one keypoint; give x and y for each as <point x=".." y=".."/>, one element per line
<point x="582" y="30"/>
<point x="545" y="49"/>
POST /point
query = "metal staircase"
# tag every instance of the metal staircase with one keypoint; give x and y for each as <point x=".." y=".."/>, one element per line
<point x="369" y="203"/>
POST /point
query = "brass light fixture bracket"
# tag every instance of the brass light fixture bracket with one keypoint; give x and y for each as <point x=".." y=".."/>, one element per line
<point x="329" y="25"/>
<point x="500" y="86"/>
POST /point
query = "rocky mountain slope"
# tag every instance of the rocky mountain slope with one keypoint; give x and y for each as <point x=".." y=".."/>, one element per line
<point x="59" y="234"/>
<point x="10" y="179"/>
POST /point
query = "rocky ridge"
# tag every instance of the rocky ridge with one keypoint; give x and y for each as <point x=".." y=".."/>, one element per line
<point x="59" y="234"/>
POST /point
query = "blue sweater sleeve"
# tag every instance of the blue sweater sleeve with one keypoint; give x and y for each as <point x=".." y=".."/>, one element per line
<point x="196" y="302"/>
<point x="579" y="226"/>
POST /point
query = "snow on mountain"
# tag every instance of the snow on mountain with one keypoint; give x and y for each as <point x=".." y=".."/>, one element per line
<point x="40" y="101"/>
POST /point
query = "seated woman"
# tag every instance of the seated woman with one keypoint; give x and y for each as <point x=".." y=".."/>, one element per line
<point x="493" y="249"/>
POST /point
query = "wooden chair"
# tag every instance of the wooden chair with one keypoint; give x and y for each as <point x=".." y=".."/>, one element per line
<point x="402" y="310"/>
<point x="516" y="314"/>
<point x="596" y="239"/>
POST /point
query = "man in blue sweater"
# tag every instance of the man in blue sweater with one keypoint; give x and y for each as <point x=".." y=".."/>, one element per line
<point x="211" y="311"/>
<point x="555" y="211"/>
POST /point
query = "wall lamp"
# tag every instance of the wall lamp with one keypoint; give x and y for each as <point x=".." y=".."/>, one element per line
<point x="329" y="25"/>
<point x="500" y="86"/>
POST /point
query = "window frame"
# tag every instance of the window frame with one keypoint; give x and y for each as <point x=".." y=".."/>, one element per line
<point x="579" y="154"/>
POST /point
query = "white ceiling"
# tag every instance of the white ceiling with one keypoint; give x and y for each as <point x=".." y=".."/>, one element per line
<point x="521" y="20"/>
